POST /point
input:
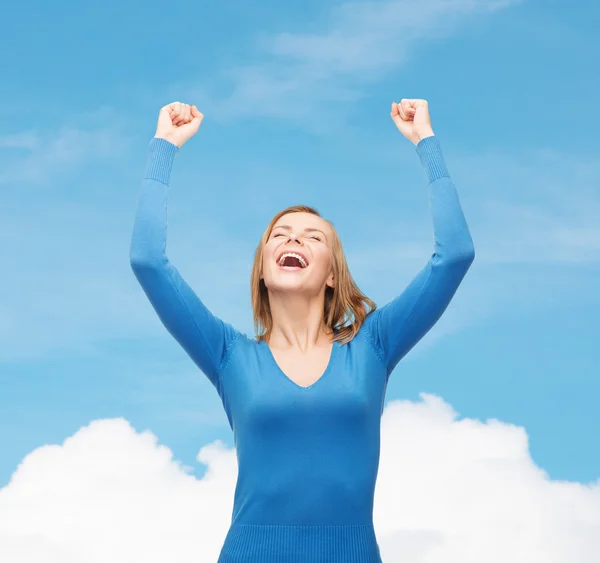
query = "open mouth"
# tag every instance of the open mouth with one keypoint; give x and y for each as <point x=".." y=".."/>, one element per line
<point x="292" y="261"/>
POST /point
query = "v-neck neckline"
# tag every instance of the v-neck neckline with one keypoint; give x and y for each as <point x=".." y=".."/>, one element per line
<point x="334" y="347"/>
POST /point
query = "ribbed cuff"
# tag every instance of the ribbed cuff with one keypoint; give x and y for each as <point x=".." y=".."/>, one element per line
<point x="159" y="163"/>
<point x="432" y="159"/>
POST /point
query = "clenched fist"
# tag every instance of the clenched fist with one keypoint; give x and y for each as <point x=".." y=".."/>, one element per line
<point x="178" y="122"/>
<point x="412" y="119"/>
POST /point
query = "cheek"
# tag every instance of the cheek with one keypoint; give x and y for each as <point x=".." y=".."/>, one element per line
<point x="267" y="257"/>
<point x="325" y="260"/>
<point x="265" y="264"/>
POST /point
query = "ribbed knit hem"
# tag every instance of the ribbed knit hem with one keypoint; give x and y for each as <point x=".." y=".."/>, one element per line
<point x="159" y="163"/>
<point x="432" y="159"/>
<point x="247" y="543"/>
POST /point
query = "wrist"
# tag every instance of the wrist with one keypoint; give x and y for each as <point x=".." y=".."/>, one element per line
<point x="167" y="138"/>
<point x="423" y="135"/>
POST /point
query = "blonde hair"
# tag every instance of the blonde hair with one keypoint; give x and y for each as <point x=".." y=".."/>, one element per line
<point x="345" y="305"/>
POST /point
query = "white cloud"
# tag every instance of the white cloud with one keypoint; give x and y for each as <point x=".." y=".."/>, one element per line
<point x="298" y="74"/>
<point x="450" y="490"/>
<point x="49" y="155"/>
<point x="34" y="157"/>
<point x="28" y="140"/>
<point x="111" y="494"/>
<point x="362" y="36"/>
<point x="463" y="490"/>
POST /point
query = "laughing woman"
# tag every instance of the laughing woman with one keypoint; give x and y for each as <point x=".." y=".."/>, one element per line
<point x="304" y="396"/>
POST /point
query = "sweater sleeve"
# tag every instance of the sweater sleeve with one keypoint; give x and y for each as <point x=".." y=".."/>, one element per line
<point x="204" y="337"/>
<point x="395" y="328"/>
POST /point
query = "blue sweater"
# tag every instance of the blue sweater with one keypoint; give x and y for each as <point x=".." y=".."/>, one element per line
<point x="307" y="456"/>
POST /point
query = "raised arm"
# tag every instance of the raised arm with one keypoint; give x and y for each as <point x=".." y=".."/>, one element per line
<point x="204" y="337"/>
<point x="396" y="327"/>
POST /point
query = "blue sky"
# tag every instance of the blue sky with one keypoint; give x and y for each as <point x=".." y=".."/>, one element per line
<point x="297" y="98"/>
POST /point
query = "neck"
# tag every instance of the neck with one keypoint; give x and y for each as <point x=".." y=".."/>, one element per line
<point x="298" y="322"/>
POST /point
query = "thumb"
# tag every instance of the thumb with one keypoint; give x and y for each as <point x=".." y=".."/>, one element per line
<point x="197" y="115"/>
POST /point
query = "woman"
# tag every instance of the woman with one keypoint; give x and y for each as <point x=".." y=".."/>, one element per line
<point x="304" y="398"/>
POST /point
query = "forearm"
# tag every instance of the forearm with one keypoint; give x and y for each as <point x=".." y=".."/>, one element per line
<point x="452" y="239"/>
<point x="149" y="237"/>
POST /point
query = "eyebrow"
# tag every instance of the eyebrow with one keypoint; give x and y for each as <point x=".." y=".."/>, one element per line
<point x="307" y="230"/>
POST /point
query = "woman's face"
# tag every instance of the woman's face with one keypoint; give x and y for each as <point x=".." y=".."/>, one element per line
<point x="298" y="255"/>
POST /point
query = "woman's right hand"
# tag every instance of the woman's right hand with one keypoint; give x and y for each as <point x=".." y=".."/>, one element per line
<point x="177" y="123"/>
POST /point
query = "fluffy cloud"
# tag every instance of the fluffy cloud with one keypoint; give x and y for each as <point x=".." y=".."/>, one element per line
<point x="111" y="494"/>
<point x="450" y="490"/>
<point x="465" y="491"/>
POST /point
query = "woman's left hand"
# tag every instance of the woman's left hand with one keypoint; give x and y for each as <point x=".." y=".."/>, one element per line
<point x="412" y="119"/>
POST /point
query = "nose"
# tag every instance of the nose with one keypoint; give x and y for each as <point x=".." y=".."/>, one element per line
<point x="294" y="237"/>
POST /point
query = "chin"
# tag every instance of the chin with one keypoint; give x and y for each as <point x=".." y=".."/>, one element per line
<point x="287" y="282"/>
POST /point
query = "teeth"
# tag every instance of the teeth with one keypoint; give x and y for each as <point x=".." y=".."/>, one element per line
<point x="284" y="256"/>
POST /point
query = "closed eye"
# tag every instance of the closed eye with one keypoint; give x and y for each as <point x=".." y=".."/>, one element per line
<point x="312" y="237"/>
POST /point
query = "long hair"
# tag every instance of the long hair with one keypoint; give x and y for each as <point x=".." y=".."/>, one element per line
<point x="346" y="307"/>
